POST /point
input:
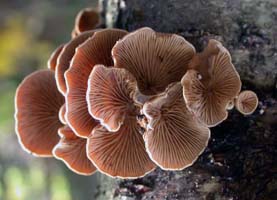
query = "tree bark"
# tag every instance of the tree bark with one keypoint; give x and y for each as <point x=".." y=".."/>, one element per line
<point x="241" y="159"/>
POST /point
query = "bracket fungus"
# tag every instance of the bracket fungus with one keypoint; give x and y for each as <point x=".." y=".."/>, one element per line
<point x="126" y="103"/>
<point x="247" y="102"/>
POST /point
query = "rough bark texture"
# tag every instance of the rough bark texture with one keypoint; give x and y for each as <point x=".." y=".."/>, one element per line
<point x="241" y="159"/>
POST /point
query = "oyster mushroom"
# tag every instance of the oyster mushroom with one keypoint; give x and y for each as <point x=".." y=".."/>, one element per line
<point x="37" y="105"/>
<point x="210" y="84"/>
<point x="96" y="50"/>
<point x="247" y="102"/>
<point x="174" y="137"/>
<point x="72" y="151"/>
<point x="154" y="59"/>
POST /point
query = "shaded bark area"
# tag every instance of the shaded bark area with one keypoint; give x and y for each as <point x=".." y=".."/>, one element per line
<point x="241" y="159"/>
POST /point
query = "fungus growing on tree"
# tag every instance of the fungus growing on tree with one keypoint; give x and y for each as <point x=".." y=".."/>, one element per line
<point x="174" y="137"/>
<point x="247" y="102"/>
<point x="72" y="151"/>
<point x="127" y="101"/>
<point x="210" y="84"/>
<point x="37" y="104"/>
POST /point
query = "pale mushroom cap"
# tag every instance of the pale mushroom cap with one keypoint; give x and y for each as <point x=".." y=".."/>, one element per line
<point x="52" y="61"/>
<point x="87" y="19"/>
<point x="209" y="97"/>
<point x="37" y="104"/>
<point x="109" y="96"/>
<point x="96" y="50"/>
<point x="72" y="151"/>
<point x="174" y="138"/>
<point x="155" y="59"/>
<point x="65" y="58"/>
<point x="246" y="102"/>
<point x="119" y="154"/>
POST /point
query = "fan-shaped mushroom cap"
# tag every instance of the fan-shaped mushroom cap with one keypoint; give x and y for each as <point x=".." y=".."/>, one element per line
<point x="72" y="151"/>
<point x="246" y="102"/>
<point x="96" y="50"/>
<point x="87" y="19"/>
<point x="65" y="57"/>
<point x="52" y="62"/>
<point x="155" y="59"/>
<point x="174" y="138"/>
<point x="109" y="96"/>
<point x="208" y="88"/>
<point x="119" y="154"/>
<point x="62" y="114"/>
<point x="37" y="104"/>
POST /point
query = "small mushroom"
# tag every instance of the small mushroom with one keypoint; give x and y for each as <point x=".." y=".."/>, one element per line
<point x="109" y="96"/>
<point x="96" y="50"/>
<point x="210" y="84"/>
<point x="119" y="154"/>
<point x="72" y="151"/>
<point x="65" y="57"/>
<point x="155" y="59"/>
<point x="52" y="62"/>
<point x="247" y="102"/>
<point x="37" y="105"/>
<point x="62" y="114"/>
<point x="174" y="137"/>
<point x="87" y="19"/>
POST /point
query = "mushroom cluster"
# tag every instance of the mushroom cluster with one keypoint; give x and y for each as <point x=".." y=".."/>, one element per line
<point x="124" y="103"/>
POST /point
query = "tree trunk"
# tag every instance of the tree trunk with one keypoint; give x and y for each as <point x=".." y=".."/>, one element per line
<point x="241" y="159"/>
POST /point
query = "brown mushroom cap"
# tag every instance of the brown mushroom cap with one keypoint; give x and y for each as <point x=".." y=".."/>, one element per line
<point x="119" y="154"/>
<point x="208" y="88"/>
<point x="109" y="96"/>
<point x="96" y="50"/>
<point x="62" y="114"/>
<point x="72" y="151"/>
<point x="246" y="102"/>
<point x="87" y="19"/>
<point x="174" y="138"/>
<point x="37" y="104"/>
<point x="65" y="57"/>
<point x="155" y="59"/>
<point x="52" y="62"/>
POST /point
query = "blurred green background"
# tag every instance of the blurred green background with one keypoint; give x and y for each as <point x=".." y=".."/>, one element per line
<point x="29" y="31"/>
